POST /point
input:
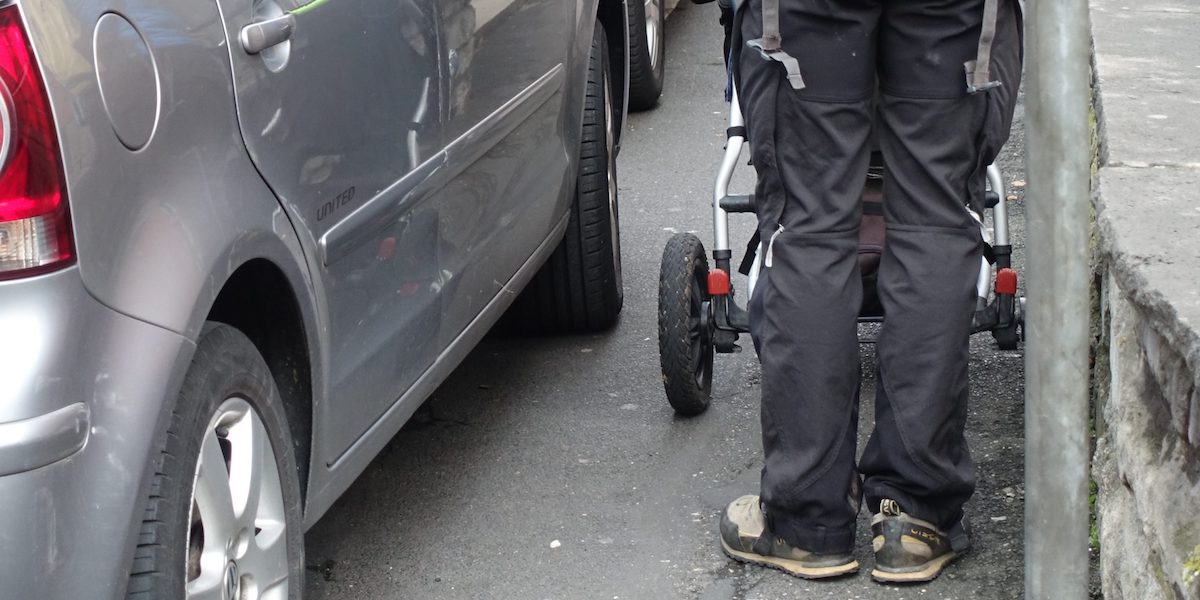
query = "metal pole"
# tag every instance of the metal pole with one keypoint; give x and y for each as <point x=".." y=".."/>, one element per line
<point x="1058" y="162"/>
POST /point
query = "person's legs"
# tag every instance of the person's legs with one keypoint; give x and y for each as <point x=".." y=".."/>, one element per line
<point x="934" y="139"/>
<point x="810" y="148"/>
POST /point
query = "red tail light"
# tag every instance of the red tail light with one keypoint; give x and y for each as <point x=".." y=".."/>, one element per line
<point x="35" y="226"/>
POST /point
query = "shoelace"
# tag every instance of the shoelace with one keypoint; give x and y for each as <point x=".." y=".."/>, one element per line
<point x="889" y="507"/>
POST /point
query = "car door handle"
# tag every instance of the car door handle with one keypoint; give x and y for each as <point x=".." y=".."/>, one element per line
<point x="259" y="36"/>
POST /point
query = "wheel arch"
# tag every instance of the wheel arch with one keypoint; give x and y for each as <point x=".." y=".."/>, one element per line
<point x="258" y="299"/>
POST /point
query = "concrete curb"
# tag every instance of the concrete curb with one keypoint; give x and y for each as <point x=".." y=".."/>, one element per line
<point x="1151" y="252"/>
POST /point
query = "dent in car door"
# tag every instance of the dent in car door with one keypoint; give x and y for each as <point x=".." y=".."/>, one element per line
<point x="506" y="71"/>
<point x="342" y="117"/>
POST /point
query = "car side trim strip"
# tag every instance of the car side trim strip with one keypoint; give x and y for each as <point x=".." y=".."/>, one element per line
<point x="387" y="206"/>
<point x="39" y="441"/>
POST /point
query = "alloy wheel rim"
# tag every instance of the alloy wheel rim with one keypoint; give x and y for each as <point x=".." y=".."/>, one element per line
<point x="610" y="141"/>
<point x="653" y="13"/>
<point x="237" y="535"/>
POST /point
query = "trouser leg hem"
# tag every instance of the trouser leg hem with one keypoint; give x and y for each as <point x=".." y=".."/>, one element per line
<point x="813" y="538"/>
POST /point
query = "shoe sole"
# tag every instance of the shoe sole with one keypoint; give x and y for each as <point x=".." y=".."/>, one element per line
<point x="790" y="567"/>
<point x="928" y="573"/>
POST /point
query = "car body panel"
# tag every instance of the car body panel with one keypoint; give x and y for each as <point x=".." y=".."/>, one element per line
<point x="515" y="182"/>
<point x="353" y="111"/>
<point x="413" y="237"/>
<point x="499" y="139"/>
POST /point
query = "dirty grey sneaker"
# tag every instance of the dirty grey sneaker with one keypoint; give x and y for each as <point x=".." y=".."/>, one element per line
<point x="744" y="537"/>
<point x="908" y="549"/>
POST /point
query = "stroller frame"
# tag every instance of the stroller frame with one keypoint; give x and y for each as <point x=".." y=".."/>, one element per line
<point x="699" y="314"/>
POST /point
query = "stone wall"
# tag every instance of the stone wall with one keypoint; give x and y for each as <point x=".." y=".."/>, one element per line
<point x="1147" y="463"/>
<point x="1147" y="266"/>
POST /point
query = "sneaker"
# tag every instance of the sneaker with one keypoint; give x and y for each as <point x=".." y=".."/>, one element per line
<point x="908" y="549"/>
<point x="745" y="538"/>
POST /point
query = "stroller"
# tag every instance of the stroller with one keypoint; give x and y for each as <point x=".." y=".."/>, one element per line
<point x="699" y="315"/>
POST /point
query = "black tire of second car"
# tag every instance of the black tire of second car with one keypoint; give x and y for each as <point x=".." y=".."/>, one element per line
<point x="647" y="54"/>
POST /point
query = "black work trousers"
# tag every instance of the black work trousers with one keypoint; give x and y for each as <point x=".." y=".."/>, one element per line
<point x="891" y="70"/>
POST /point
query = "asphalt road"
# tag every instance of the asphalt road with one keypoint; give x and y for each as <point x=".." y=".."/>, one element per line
<point x="553" y="468"/>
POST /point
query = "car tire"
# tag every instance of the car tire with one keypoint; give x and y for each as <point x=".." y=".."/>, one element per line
<point x="224" y="506"/>
<point x="580" y="288"/>
<point x="647" y="52"/>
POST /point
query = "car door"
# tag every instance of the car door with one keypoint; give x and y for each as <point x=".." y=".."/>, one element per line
<point x="506" y="75"/>
<point x="341" y="107"/>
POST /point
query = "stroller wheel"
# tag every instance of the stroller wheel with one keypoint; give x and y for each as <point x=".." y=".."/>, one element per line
<point x="1007" y="338"/>
<point x="685" y="327"/>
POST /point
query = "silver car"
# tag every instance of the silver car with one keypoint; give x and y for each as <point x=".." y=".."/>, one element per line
<point x="241" y="241"/>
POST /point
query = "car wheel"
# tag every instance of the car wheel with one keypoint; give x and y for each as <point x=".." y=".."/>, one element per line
<point x="580" y="287"/>
<point x="223" y="517"/>
<point x="647" y="52"/>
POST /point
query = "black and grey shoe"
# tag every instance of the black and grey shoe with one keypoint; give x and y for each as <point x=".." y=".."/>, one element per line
<point x="744" y="537"/>
<point x="908" y="549"/>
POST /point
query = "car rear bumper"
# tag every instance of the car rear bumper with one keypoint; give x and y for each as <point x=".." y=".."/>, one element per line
<point x="83" y="397"/>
